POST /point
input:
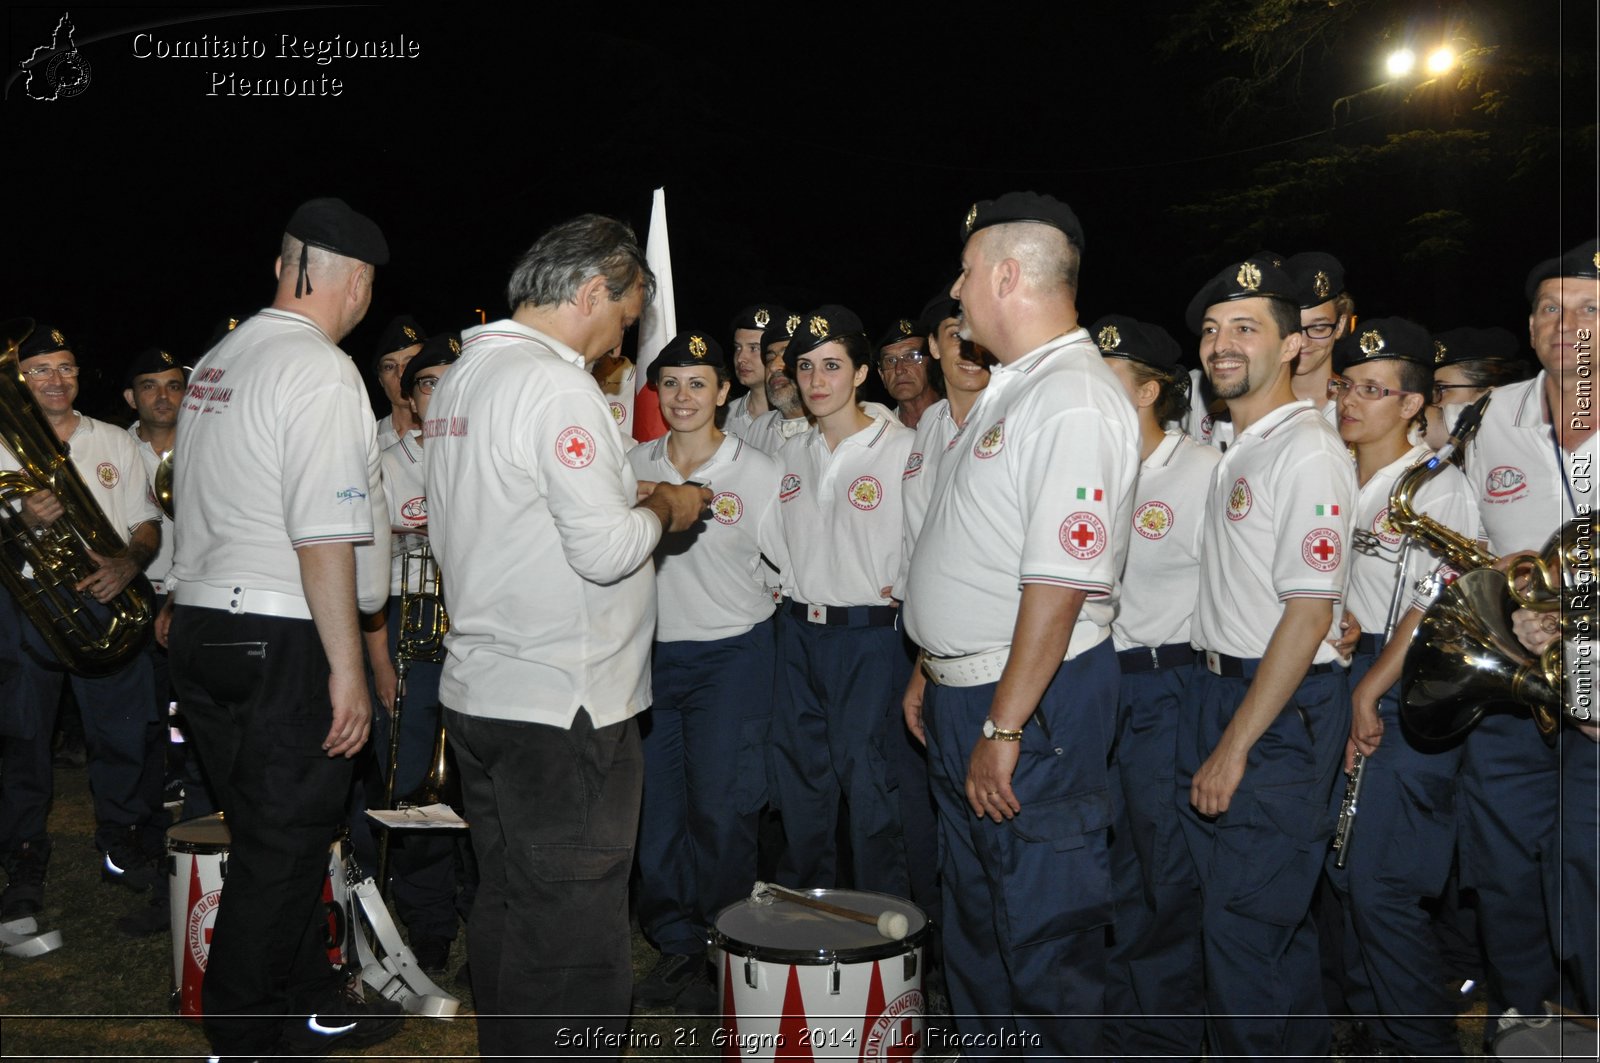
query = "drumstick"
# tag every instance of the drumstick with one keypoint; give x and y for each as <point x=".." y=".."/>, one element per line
<point x="892" y="925"/>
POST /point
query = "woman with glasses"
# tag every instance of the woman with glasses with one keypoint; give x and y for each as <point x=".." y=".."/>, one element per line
<point x="1467" y="363"/>
<point x="1400" y="848"/>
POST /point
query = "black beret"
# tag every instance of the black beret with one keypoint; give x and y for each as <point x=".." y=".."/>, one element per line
<point x="901" y="328"/>
<point x="1317" y="277"/>
<point x="687" y="348"/>
<point x="1254" y="278"/>
<point x="939" y="309"/>
<point x="1123" y="337"/>
<point x="330" y="224"/>
<point x="758" y="316"/>
<point x="1023" y="206"/>
<point x="1582" y="261"/>
<point x="44" y="339"/>
<point x="152" y="360"/>
<point x="436" y="350"/>
<point x="822" y="325"/>
<point x="1383" y="339"/>
<point x="780" y="331"/>
<point x="1271" y="256"/>
<point x="1459" y="345"/>
<point x="401" y="332"/>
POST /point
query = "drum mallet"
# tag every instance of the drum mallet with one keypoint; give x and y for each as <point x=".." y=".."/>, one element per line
<point x="892" y="925"/>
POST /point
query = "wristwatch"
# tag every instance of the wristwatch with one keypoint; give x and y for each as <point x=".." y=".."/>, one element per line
<point x="996" y="734"/>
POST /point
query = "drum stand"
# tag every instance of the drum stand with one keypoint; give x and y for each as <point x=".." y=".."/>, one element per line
<point x="21" y="937"/>
<point x="391" y="968"/>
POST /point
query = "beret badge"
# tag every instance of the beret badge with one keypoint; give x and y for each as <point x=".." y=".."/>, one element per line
<point x="1249" y="276"/>
<point x="1109" y="338"/>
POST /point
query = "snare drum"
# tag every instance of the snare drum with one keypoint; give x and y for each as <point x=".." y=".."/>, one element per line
<point x="799" y="983"/>
<point x="197" y="864"/>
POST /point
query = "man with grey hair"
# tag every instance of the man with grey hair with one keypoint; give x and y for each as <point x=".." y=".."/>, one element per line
<point x="545" y="546"/>
<point x="1011" y="592"/>
<point x="278" y="492"/>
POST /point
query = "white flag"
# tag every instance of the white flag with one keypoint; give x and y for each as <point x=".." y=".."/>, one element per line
<point x="657" y="326"/>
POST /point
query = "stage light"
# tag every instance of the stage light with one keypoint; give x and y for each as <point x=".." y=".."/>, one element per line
<point x="1401" y="62"/>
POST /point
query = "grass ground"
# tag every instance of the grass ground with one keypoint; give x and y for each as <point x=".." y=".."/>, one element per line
<point x="104" y="995"/>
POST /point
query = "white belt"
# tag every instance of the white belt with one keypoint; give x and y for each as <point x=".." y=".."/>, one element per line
<point x="242" y="600"/>
<point x="973" y="670"/>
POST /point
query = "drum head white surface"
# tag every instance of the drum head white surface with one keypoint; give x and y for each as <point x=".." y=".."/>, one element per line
<point x="205" y="834"/>
<point x="792" y="933"/>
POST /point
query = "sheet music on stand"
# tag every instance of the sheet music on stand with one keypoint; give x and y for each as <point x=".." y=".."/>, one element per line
<point x="423" y="817"/>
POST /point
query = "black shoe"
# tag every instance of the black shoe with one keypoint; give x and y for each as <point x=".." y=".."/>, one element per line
<point x="70" y="755"/>
<point x="698" y="999"/>
<point x="154" y="918"/>
<point x="24" y="893"/>
<point x="432" y="953"/>
<point x="123" y="863"/>
<point x="348" y="1022"/>
<point x="671" y="975"/>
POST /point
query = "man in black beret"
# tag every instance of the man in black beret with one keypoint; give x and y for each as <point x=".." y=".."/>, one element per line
<point x="285" y="542"/>
<point x="787" y="416"/>
<point x="1260" y="743"/>
<point x="1010" y="594"/>
<point x="749" y="369"/>
<point x="400" y="340"/>
<point x="903" y="365"/>
<point x="1527" y="812"/>
<point x="118" y="709"/>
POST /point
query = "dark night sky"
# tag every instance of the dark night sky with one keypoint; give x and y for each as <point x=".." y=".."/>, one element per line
<point x="814" y="158"/>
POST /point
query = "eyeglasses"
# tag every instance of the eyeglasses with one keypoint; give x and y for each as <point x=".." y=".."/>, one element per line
<point x="1367" y="392"/>
<point x="426" y="384"/>
<point x="891" y="362"/>
<point x="39" y="372"/>
<point x="1440" y="389"/>
<point x="1320" y="331"/>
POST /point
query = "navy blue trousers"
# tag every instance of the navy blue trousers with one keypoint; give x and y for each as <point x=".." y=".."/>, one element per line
<point x="704" y="742"/>
<point x="1509" y="794"/>
<point x="1400" y="852"/>
<point x="1028" y="902"/>
<point x="837" y="696"/>
<point x="1154" y="999"/>
<point x="1580" y="834"/>
<point x="1258" y="865"/>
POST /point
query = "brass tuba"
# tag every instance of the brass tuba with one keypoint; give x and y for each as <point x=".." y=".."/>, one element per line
<point x="1464" y="659"/>
<point x="88" y="638"/>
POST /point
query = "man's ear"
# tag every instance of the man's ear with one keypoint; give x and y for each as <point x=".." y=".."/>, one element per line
<point x="591" y="293"/>
<point x="1293" y="344"/>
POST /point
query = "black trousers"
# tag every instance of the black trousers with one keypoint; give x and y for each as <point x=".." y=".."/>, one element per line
<point x="255" y="691"/>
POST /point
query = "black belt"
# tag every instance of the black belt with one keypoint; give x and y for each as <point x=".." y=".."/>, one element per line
<point x="1370" y="643"/>
<point x="1155" y="658"/>
<point x="1245" y="667"/>
<point x="844" y="615"/>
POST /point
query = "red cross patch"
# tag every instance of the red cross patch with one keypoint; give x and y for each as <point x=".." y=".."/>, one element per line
<point x="1320" y="549"/>
<point x="574" y="447"/>
<point x="1083" y="535"/>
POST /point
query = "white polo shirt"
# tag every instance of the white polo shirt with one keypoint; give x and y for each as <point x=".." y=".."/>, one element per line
<point x="1162" y="577"/>
<point x="739" y="418"/>
<point x="710" y="581"/>
<point x="403" y="473"/>
<point x="277" y="449"/>
<point x="532" y="515"/>
<point x="156" y="571"/>
<point x="840" y="513"/>
<point x="1374" y="564"/>
<point x="1037" y="489"/>
<point x="1520" y="480"/>
<point x="934" y="434"/>
<point x="769" y="432"/>
<point x="387" y="436"/>
<point x="1278" y="523"/>
<point x="1213" y="431"/>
